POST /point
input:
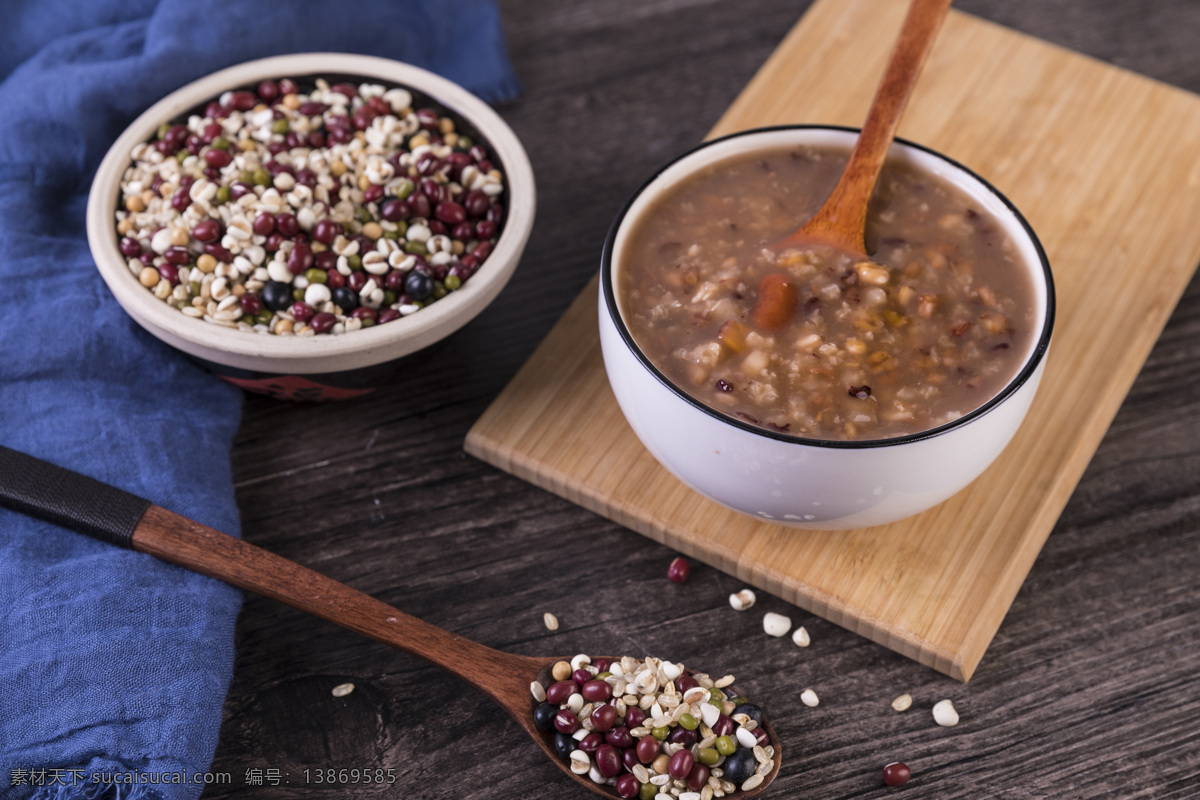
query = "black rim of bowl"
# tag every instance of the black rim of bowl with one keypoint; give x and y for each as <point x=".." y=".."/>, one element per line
<point x="1028" y="368"/>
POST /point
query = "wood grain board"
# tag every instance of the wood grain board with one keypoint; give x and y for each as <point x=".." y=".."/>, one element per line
<point x="1104" y="165"/>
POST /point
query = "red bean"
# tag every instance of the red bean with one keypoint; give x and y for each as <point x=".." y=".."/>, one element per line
<point x="761" y="737"/>
<point x="495" y="213"/>
<point x="437" y="227"/>
<point x="303" y="312"/>
<point x="335" y="279"/>
<point x="595" y="691"/>
<point x="628" y="786"/>
<point x="312" y="108"/>
<point x="287" y="86"/>
<point x="420" y="205"/>
<point x="169" y="273"/>
<point x="388" y="314"/>
<point x="181" y="200"/>
<point x="364" y="312"/>
<point x="177" y="255"/>
<point x="207" y="230"/>
<point x="683" y="736"/>
<point x="896" y="774"/>
<point x="373" y="193"/>
<point x="604" y="718"/>
<point x="358" y="280"/>
<point x="565" y="720"/>
<point x="210" y="132"/>
<point x="326" y="231"/>
<point x="477" y="153"/>
<point x="217" y="157"/>
<point x="679" y="570"/>
<point x="287" y="225"/>
<point x="629" y="758"/>
<point x="268" y="91"/>
<point x="428" y="164"/>
<point x="428" y="118"/>
<point x="240" y="189"/>
<point x="608" y="761"/>
<point x="681" y="764"/>
<point x="463" y="231"/>
<point x="482" y="251"/>
<point x="457" y="161"/>
<point x="486" y="229"/>
<point x="363" y="116"/>
<point x="300" y="259"/>
<point x="395" y="210"/>
<point x="685" y="682"/>
<point x="470" y="264"/>
<point x="591" y="743"/>
<point x="697" y="777"/>
<point x="251" y="303"/>
<point x="560" y="691"/>
<point x="348" y="90"/>
<point x="326" y="260"/>
<point x="634" y="717"/>
<point x="219" y="253"/>
<point x="264" y="224"/>
<point x="306" y="177"/>
<point x="581" y="676"/>
<point x="243" y="100"/>
<point x="452" y="213"/>
<point x="724" y="726"/>
<point x="131" y="248"/>
<point x="619" y="737"/>
<point x="476" y="203"/>
<point x="436" y="192"/>
<point x="214" y="111"/>
<point x="274" y="241"/>
<point x="647" y="749"/>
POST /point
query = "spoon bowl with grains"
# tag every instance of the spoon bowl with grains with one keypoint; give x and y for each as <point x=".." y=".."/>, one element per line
<point x="621" y="726"/>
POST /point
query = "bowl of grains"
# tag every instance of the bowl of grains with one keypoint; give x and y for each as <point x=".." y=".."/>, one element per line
<point x="808" y="386"/>
<point x="299" y="224"/>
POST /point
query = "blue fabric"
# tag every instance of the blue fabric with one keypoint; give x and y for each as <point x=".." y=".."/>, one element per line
<point x="112" y="662"/>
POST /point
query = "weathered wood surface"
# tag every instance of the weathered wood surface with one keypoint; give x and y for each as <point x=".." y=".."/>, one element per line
<point x="1089" y="690"/>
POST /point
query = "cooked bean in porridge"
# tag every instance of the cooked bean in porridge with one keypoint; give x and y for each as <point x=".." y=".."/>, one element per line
<point x="813" y="342"/>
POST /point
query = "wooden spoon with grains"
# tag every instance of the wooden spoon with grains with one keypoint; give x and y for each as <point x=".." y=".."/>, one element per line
<point x="43" y="490"/>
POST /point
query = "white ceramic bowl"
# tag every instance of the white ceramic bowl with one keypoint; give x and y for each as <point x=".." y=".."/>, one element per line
<point x="299" y="366"/>
<point x="807" y="482"/>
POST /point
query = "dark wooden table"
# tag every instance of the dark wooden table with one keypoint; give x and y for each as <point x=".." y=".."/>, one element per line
<point x="1091" y="689"/>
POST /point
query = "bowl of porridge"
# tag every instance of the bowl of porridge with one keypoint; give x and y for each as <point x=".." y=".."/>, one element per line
<point x="807" y="386"/>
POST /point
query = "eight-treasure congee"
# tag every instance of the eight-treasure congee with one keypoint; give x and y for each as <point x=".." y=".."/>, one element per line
<point x="813" y="342"/>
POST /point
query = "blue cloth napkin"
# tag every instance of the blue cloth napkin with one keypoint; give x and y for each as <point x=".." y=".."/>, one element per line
<point x="114" y="665"/>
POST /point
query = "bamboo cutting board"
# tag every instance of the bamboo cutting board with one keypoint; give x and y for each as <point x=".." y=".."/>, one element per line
<point x="1105" y="164"/>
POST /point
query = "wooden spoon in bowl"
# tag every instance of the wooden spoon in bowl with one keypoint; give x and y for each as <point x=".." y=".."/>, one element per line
<point x="841" y="222"/>
<point x="43" y="490"/>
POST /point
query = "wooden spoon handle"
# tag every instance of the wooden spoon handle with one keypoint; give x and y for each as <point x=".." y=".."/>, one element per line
<point x="179" y="540"/>
<point x="85" y="505"/>
<point x="842" y="219"/>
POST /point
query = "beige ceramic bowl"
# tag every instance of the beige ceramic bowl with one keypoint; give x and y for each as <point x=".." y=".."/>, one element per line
<point x="323" y="367"/>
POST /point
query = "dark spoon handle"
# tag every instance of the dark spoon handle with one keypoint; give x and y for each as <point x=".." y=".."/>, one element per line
<point x="85" y="505"/>
<point x="40" y="489"/>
